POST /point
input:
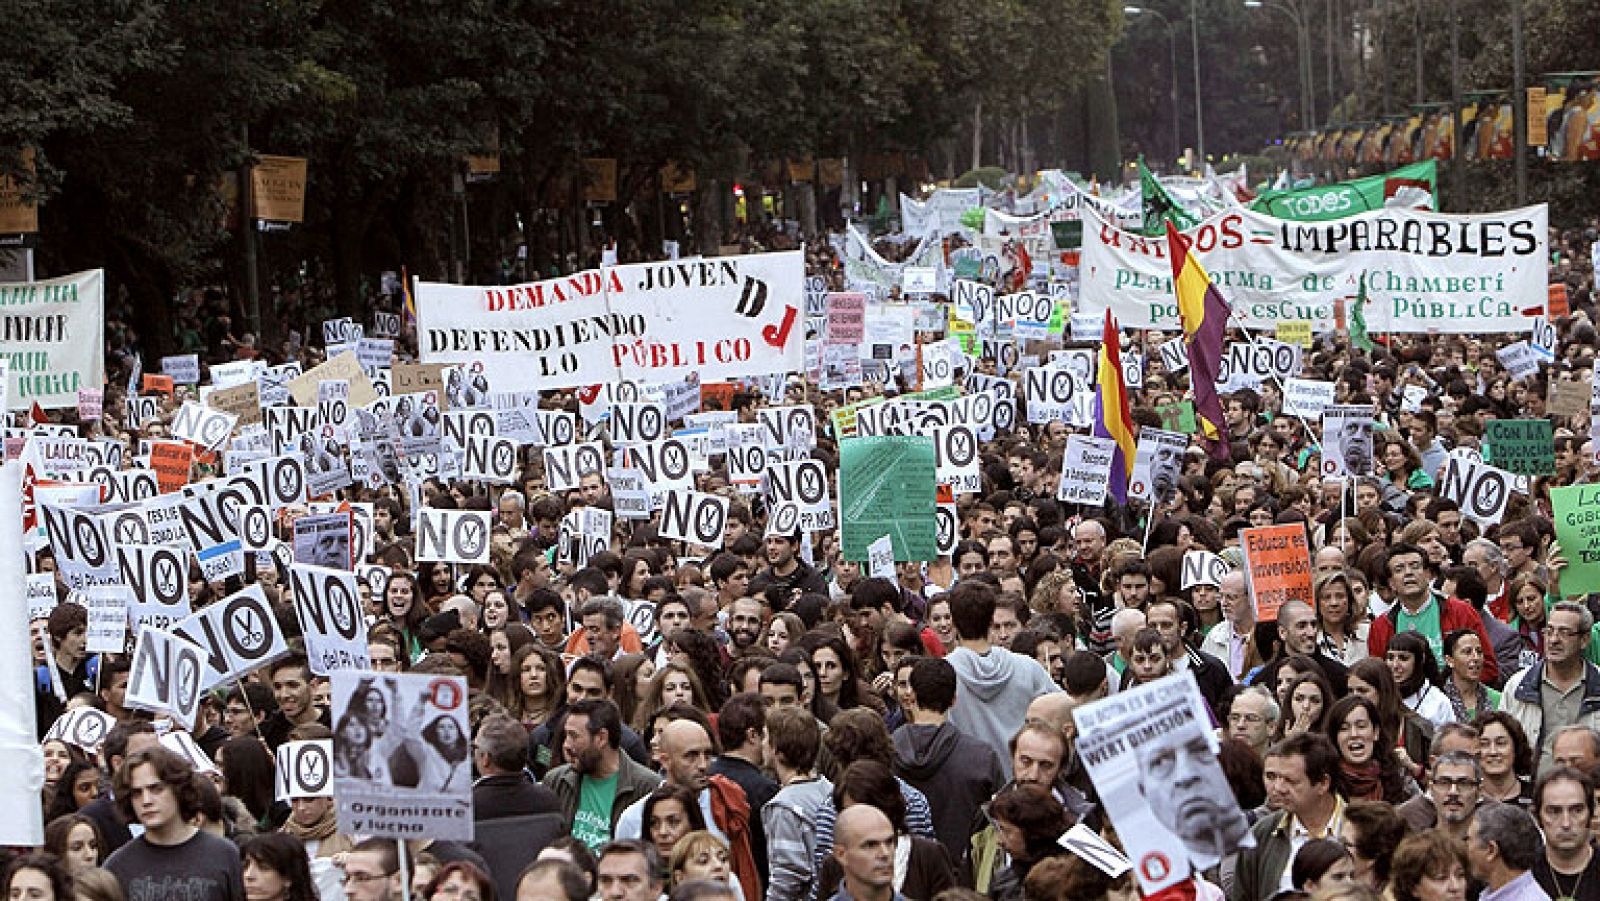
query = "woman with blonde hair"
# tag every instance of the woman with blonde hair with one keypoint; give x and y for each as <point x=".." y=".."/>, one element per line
<point x="1341" y="626"/>
<point x="1058" y="600"/>
<point x="701" y="855"/>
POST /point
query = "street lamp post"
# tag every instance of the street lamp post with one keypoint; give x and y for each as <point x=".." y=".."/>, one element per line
<point x="1302" y="34"/>
<point x="1199" y="118"/>
<point x="1172" y="47"/>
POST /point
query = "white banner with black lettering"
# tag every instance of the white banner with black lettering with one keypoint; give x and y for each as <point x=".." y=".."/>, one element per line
<point x="1424" y="271"/>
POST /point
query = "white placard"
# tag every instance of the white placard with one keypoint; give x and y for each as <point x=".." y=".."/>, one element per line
<point x="1086" y="470"/>
<point x="453" y="536"/>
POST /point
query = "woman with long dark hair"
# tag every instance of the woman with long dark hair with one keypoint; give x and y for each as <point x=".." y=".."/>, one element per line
<point x="276" y="868"/>
<point x="1463" y="684"/>
<point x="503" y="644"/>
<point x="1412" y="735"/>
<point x="701" y="653"/>
<point x="1416" y="676"/>
<point x="1307" y="700"/>
<point x="838" y="675"/>
<point x="1368" y="770"/>
<point x="540" y="682"/>
<point x="447" y="766"/>
<point x="78" y="785"/>
<point x="248" y="774"/>
<point x="404" y="608"/>
<point x="38" y="877"/>
<point x="75" y="839"/>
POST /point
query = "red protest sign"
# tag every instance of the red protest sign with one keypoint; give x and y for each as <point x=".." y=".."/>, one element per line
<point x="161" y="384"/>
<point x="171" y="460"/>
<point x="1277" y="566"/>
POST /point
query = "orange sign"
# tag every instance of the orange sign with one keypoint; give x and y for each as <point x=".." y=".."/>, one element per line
<point x="171" y="460"/>
<point x="158" y="383"/>
<point x="1277" y="566"/>
<point x="1557" y="305"/>
<point x="716" y="395"/>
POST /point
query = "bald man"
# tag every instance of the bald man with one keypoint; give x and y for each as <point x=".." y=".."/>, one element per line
<point x="864" y="843"/>
<point x="1226" y="640"/>
<point x="686" y="755"/>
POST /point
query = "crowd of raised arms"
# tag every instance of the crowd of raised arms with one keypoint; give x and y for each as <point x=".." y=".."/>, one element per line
<point x="764" y="720"/>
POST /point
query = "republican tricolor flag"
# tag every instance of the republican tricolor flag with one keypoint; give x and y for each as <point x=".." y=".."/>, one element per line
<point x="1204" y="315"/>
<point x="1112" y="416"/>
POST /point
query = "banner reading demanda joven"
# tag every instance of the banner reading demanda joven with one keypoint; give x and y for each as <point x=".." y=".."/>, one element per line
<point x="1425" y="271"/>
<point x="652" y="322"/>
<point x="52" y="334"/>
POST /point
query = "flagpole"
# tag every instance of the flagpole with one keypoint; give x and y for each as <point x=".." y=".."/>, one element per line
<point x="1310" y="434"/>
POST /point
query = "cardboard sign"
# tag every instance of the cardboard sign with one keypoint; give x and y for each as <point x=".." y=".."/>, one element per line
<point x="804" y="483"/>
<point x="490" y="460"/>
<point x="955" y="454"/>
<point x="1568" y="397"/>
<point x="142" y="410"/>
<point x="1157" y="465"/>
<point x="158" y="576"/>
<point x="694" y="517"/>
<point x="331" y="618"/>
<point x="166" y="676"/>
<point x="1086" y="470"/>
<point x="887" y="485"/>
<point x="565" y="466"/>
<point x="233" y="636"/>
<point x="1520" y="360"/>
<point x="172" y="461"/>
<point x="240" y="401"/>
<point x="1483" y="491"/>
<point x="453" y="536"/>
<point x="1523" y="447"/>
<point x="1203" y="568"/>
<point x="1151" y="754"/>
<point x="183" y="370"/>
<point x="81" y="547"/>
<point x="1277" y="568"/>
<point x="344" y="367"/>
<point x="108" y="618"/>
<point x="82" y="727"/>
<point x="160" y="384"/>
<point x="426" y="714"/>
<point x="303" y="769"/>
<point x="198" y="425"/>
<point x="325" y="539"/>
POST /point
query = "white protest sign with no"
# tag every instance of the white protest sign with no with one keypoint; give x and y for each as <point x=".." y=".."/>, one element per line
<point x="234" y="635"/>
<point x="453" y="536"/>
<point x="329" y="608"/>
<point x="304" y="769"/>
<point x="166" y="676"/>
<point x="695" y="517"/>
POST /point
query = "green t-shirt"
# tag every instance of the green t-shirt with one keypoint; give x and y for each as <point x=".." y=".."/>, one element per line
<point x="592" y="823"/>
<point x="1424" y="623"/>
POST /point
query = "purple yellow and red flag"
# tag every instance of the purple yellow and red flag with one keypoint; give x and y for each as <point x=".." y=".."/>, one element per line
<point x="1204" y="315"/>
<point x="1113" y="418"/>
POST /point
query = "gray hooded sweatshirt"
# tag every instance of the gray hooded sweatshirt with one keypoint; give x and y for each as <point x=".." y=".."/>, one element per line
<point x="993" y="696"/>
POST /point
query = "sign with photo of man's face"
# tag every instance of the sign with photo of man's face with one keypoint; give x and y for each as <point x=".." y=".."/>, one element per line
<point x="1157" y="465"/>
<point x="1153" y="758"/>
<point x="1347" y="441"/>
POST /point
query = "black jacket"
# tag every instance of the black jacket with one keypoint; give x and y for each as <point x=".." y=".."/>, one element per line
<point x="958" y="774"/>
<point x="511" y="795"/>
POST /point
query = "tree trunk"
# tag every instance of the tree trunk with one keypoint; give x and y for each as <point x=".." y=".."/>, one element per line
<point x="977" y="133"/>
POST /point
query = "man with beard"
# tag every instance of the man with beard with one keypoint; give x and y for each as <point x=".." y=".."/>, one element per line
<point x="1453" y="793"/>
<point x="786" y="570"/>
<point x="599" y="782"/>
<point x="744" y="624"/>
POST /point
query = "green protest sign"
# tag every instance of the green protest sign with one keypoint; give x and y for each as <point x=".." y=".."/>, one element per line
<point x="887" y="486"/>
<point x="1178" y="417"/>
<point x="1577" y="516"/>
<point x="1346" y="198"/>
<point x="1068" y="235"/>
<point x="1524" y="447"/>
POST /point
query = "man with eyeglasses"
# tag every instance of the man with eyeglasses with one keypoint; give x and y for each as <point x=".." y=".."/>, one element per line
<point x="1418" y="609"/>
<point x="1228" y="639"/>
<point x="1563" y="689"/>
<point x="247" y="706"/>
<point x="1253" y="718"/>
<point x="372" y="871"/>
<point x="1453" y="793"/>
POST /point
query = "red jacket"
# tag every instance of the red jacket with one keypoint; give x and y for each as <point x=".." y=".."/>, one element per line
<point x="731" y="810"/>
<point x="1453" y="615"/>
